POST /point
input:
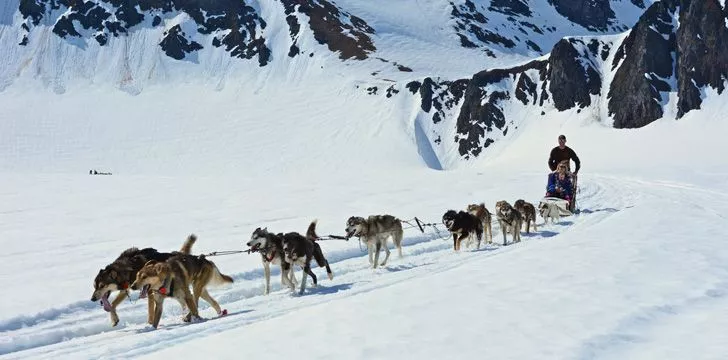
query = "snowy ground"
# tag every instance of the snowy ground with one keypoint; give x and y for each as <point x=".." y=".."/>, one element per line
<point x="642" y="272"/>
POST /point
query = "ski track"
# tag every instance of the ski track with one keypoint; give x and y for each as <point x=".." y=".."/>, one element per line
<point x="60" y="331"/>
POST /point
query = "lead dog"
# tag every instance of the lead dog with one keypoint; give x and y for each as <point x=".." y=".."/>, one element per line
<point x="119" y="274"/>
<point x="172" y="279"/>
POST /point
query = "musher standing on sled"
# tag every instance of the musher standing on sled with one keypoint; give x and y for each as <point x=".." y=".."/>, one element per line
<point x="561" y="153"/>
<point x="565" y="154"/>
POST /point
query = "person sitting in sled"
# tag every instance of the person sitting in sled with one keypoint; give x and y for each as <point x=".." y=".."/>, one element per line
<point x="559" y="184"/>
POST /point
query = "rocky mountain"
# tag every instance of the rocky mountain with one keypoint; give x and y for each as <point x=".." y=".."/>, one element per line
<point x="676" y="49"/>
<point x="477" y="70"/>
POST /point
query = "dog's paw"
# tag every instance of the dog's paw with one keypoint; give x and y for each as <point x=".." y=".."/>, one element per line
<point x="223" y="312"/>
<point x="114" y="319"/>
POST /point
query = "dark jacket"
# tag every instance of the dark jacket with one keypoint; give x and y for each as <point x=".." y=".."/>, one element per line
<point x="558" y="155"/>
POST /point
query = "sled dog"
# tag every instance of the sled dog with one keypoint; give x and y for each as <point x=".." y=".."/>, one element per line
<point x="549" y="210"/>
<point x="462" y="225"/>
<point x="119" y="274"/>
<point x="509" y="219"/>
<point x="528" y="213"/>
<point x="300" y="250"/>
<point x="482" y="213"/>
<point x="172" y="278"/>
<point x="270" y="247"/>
<point x="375" y="232"/>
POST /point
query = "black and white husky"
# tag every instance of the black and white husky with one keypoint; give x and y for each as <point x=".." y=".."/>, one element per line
<point x="270" y="247"/>
<point x="300" y="250"/>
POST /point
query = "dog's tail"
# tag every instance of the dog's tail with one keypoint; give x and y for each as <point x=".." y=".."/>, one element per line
<point x="187" y="245"/>
<point x="397" y="236"/>
<point x="311" y="232"/>
<point x="218" y="278"/>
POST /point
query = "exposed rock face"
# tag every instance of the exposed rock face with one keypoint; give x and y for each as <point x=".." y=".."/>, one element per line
<point x="234" y="24"/>
<point x="702" y="44"/>
<point x="471" y="27"/>
<point x="511" y="7"/>
<point x="571" y="77"/>
<point x="676" y="47"/>
<point x="340" y="31"/>
<point x="591" y="14"/>
<point x="441" y="96"/>
<point x="481" y="104"/>
<point x="176" y="45"/>
<point x="646" y="69"/>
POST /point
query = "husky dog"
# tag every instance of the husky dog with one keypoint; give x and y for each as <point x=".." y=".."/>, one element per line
<point x="549" y="210"/>
<point x="270" y="247"/>
<point x="375" y="231"/>
<point x="172" y="279"/>
<point x="462" y="224"/>
<point x="528" y="212"/>
<point x="119" y="274"/>
<point x="482" y="213"/>
<point x="300" y="250"/>
<point x="509" y="219"/>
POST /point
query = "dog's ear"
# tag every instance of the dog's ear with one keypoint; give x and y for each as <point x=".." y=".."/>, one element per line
<point x="150" y="262"/>
<point x="161" y="268"/>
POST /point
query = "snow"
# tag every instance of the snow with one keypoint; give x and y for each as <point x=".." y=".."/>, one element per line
<point x="642" y="265"/>
<point x="640" y="273"/>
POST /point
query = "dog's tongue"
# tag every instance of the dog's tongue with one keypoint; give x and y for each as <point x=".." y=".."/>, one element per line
<point x="143" y="293"/>
<point x="105" y="302"/>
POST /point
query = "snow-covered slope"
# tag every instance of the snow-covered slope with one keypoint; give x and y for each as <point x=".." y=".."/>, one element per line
<point x="373" y="96"/>
<point x="664" y="67"/>
<point x="128" y="45"/>
<point x="447" y="80"/>
<point x="643" y="264"/>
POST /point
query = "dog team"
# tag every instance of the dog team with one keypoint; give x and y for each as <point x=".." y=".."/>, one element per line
<point x="169" y="275"/>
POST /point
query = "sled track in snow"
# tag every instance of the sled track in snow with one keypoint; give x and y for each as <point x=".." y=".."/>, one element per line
<point x="59" y="331"/>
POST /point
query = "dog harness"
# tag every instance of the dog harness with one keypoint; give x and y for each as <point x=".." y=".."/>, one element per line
<point x="163" y="290"/>
<point x="272" y="255"/>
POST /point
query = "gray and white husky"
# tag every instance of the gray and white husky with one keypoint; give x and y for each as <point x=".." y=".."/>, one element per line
<point x="375" y="231"/>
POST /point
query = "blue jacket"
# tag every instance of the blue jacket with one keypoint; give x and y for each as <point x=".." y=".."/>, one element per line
<point x="554" y="182"/>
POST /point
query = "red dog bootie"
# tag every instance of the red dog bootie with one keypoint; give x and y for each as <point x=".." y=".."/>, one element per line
<point x="223" y="312"/>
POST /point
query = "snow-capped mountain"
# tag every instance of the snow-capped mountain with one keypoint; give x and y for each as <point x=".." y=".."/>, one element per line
<point x="477" y="70"/>
<point x="658" y="69"/>
<point x="216" y="117"/>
